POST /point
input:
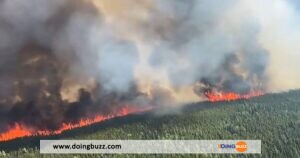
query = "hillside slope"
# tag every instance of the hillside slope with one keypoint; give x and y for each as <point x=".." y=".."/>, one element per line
<point x="274" y="119"/>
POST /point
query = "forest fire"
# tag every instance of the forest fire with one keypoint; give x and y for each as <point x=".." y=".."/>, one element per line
<point x="230" y="96"/>
<point x="19" y="130"/>
<point x="75" y="63"/>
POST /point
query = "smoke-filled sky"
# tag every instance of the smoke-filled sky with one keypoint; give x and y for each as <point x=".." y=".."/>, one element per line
<point x="182" y="42"/>
<point x="66" y="59"/>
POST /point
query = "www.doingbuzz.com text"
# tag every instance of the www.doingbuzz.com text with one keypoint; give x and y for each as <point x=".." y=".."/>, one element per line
<point x="90" y="146"/>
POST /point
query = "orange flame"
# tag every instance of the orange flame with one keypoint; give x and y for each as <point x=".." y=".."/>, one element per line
<point x="19" y="130"/>
<point x="230" y="96"/>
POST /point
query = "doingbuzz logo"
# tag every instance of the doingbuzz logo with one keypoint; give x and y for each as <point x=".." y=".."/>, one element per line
<point x="239" y="146"/>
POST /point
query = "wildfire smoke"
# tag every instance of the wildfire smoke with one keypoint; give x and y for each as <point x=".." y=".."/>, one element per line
<point x="19" y="130"/>
<point x="71" y="60"/>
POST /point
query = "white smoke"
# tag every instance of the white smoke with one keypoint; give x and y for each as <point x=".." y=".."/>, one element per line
<point x="63" y="60"/>
<point x="169" y="44"/>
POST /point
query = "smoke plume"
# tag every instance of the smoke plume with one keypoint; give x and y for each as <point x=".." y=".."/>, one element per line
<point x="63" y="60"/>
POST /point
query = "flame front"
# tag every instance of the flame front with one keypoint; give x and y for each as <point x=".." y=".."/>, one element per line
<point x="19" y="130"/>
<point x="230" y="96"/>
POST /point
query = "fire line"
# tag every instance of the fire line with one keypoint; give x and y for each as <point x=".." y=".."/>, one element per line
<point x="19" y="130"/>
<point x="230" y="96"/>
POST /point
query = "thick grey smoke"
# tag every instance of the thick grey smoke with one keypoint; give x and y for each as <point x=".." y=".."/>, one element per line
<point x="196" y="44"/>
<point x="63" y="60"/>
<point x="200" y="48"/>
<point x="60" y="63"/>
